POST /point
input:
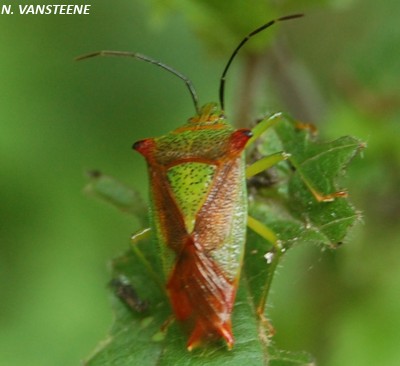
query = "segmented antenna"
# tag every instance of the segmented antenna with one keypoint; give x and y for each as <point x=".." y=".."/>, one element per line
<point x="258" y="30"/>
<point x="138" y="56"/>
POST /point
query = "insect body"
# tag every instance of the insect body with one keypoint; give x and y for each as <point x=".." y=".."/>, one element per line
<point x="198" y="194"/>
<point x="198" y="191"/>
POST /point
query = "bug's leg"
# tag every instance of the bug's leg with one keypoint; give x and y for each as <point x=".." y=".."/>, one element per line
<point x="265" y="163"/>
<point x="272" y="257"/>
<point x="262" y="126"/>
<point x="271" y="160"/>
<point x="135" y="239"/>
<point x="121" y="285"/>
<point x="270" y="121"/>
<point x="264" y="231"/>
<point x="258" y="227"/>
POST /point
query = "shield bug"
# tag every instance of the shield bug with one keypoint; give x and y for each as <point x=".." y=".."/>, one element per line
<point x="197" y="175"/>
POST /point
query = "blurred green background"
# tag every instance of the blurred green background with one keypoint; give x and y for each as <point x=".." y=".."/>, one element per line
<point x="339" y="68"/>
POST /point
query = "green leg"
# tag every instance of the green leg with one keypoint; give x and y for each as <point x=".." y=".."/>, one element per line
<point x="272" y="258"/>
<point x="269" y="122"/>
<point x="135" y="239"/>
<point x="262" y="126"/>
<point x="264" y="231"/>
<point x="271" y="160"/>
<point x="258" y="167"/>
<point x="265" y="163"/>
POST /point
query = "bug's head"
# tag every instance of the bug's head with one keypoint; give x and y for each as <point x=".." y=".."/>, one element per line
<point x="208" y="114"/>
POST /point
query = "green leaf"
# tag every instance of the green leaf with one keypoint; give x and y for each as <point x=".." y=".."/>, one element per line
<point x="287" y="207"/>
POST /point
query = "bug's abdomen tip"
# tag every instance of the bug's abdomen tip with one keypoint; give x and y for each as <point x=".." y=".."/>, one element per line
<point x="201" y="335"/>
<point x="202" y="297"/>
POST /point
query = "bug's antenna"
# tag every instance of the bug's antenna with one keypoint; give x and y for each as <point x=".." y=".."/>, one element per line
<point x="235" y="52"/>
<point x="138" y="56"/>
